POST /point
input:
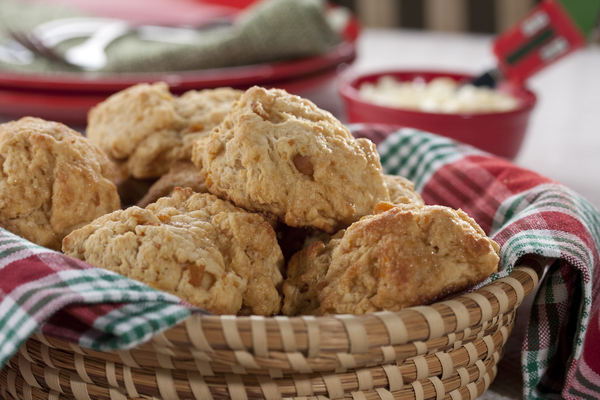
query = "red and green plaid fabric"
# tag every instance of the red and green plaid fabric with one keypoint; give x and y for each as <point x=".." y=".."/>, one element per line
<point x="45" y="291"/>
<point x="525" y="213"/>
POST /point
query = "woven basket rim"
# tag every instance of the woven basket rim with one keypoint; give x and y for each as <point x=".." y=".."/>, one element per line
<point x="351" y="332"/>
<point x="449" y="348"/>
<point x="466" y="385"/>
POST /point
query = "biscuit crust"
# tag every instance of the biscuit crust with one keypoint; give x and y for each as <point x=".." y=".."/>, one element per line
<point x="305" y="278"/>
<point x="146" y="129"/>
<point x="203" y="249"/>
<point x="404" y="255"/>
<point x="52" y="181"/>
<point x="280" y="154"/>
<point x="402" y="190"/>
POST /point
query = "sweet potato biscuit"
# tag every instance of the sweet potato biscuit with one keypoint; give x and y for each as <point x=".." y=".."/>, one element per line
<point x="280" y="154"/>
<point x="52" y="180"/>
<point x="195" y="246"/>
<point x="402" y="190"/>
<point x="147" y="129"/>
<point x="205" y="109"/>
<point x="305" y="278"/>
<point x="404" y="255"/>
<point x="181" y="174"/>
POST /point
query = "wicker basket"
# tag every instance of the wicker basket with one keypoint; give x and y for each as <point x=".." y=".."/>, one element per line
<point x="447" y="350"/>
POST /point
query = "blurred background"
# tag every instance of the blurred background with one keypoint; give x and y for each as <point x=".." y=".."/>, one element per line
<point x="473" y="16"/>
<point x="483" y="16"/>
<point x="443" y="35"/>
<point x="562" y="140"/>
<point x="477" y="16"/>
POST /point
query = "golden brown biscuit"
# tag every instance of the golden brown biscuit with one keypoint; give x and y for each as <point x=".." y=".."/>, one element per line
<point x="181" y="174"/>
<point x="402" y="190"/>
<point x="305" y="278"/>
<point x="52" y="180"/>
<point x="205" y="109"/>
<point x="279" y="154"/>
<point x="195" y="246"/>
<point x="404" y="255"/>
<point x="147" y="129"/>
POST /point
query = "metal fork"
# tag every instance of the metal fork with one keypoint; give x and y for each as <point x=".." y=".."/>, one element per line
<point x="34" y="45"/>
<point x="90" y="55"/>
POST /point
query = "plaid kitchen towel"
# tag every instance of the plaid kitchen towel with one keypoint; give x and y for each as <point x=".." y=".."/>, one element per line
<point x="46" y="291"/>
<point x="525" y="213"/>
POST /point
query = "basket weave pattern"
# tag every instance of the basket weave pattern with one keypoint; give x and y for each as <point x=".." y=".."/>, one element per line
<point x="446" y="350"/>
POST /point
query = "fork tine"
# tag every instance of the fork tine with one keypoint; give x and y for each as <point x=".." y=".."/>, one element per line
<point x="33" y="44"/>
<point x="47" y="52"/>
<point x="19" y="37"/>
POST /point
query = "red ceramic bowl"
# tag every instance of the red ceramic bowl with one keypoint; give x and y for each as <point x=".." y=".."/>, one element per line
<point x="499" y="133"/>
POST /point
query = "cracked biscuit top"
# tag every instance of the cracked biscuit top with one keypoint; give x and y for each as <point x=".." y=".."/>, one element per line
<point x="203" y="249"/>
<point x="280" y="154"/>
<point x="52" y="180"/>
<point x="403" y="256"/>
<point x="145" y="129"/>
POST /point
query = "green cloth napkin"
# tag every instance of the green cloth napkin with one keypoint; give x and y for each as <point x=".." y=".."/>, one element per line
<point x="272" y="30"/>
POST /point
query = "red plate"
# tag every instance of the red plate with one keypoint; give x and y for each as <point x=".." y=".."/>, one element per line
<point x="180" y="81"/>
<point x="72" y="108"/>
<point x="67" y="98"/>
<point x="244" y="76"/>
